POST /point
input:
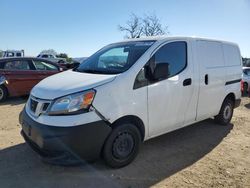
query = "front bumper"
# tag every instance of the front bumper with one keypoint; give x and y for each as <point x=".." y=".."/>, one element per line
<point x="65" y="145"/>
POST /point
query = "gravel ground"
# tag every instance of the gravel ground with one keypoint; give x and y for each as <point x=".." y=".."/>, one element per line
<point x="201" y="155"/>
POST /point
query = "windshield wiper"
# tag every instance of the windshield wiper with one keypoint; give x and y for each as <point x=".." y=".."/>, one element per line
<point x="91" y="71"/>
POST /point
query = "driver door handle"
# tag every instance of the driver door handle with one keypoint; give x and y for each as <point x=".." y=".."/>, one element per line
<point x="187" y="82"/>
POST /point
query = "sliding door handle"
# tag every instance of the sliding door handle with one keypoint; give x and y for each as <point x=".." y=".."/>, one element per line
<point x="206" y="79"/>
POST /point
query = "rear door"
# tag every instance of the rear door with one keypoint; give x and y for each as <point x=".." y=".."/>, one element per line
<point x="44" y="69"/>
<point x="20" y="76"/>
<point x="212" y="78"/>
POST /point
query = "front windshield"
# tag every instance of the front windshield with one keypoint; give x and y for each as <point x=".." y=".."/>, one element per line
<point x="115" y="58"/>
<point x="247" y="72"/>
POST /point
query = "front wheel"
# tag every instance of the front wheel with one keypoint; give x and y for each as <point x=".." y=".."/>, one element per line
<point x="122" y="145"/>
<point x="3" y="93"/>
<point x="226" y="112"/>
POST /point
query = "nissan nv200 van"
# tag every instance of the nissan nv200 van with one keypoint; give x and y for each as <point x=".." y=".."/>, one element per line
<point x="129" y="92"/>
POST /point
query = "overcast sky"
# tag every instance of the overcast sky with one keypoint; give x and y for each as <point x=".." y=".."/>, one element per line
<point x="79" y="28"/>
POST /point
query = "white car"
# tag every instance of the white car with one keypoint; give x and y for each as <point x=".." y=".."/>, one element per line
<point x="52" y="58"/>
<point x="13" y="53"/>
<point x="246" y="79"/>
<point x="129" y="92"/>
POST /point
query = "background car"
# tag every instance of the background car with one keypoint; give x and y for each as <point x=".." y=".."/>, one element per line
<point x="52" y="58"/>
<point x="13" y="53"/>
<point x="62" y="62"/>
<point x="245" y="79"/>
<point x="19" y="75"/>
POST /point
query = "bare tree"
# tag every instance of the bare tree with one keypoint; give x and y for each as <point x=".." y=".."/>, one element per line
<point x="152" y="26"/>
<point x="133" y="27"/>
<point x="149" y="25"/>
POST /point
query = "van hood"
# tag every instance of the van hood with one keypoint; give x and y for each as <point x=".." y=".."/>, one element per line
<point x="68" y="82"/>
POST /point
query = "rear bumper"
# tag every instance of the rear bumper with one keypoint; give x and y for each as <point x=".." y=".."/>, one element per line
<point x="237" y="103"/>
<point x="64" y="145"/>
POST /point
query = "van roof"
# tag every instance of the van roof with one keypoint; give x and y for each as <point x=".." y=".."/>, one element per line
<point x="163" y="38"/>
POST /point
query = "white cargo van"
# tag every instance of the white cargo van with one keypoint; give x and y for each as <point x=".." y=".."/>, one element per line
<point x="129" y="92"/>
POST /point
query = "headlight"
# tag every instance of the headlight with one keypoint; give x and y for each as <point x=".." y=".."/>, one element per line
<point x="73" y="104"/>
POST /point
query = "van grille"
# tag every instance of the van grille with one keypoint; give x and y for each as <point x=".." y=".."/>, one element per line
<point x="45" y="106"/>
<point x="38" y="106"/>
<point x="33" y="105"/>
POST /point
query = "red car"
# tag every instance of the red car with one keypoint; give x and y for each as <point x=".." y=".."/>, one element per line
<point x="19" y="75"/>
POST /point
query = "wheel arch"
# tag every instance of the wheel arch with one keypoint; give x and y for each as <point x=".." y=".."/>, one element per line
<point x="131" y="119"/>
<point x="6" y="89"/>
<point x="230" y="96"/>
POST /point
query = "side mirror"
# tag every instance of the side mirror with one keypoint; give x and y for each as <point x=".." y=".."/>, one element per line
<point x="161" y="71"/>
<point x="156" y="72"/>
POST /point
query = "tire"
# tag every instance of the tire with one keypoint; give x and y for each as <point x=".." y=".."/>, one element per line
<point x="122" y="145"/>
<point x="245" y="87"/>
<point x="3" y="93"/>
<point x="226" y="112"/>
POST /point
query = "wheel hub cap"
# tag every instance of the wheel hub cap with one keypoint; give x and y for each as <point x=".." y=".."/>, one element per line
<point x="227" y="112"/>
<point x="123" y="145"/>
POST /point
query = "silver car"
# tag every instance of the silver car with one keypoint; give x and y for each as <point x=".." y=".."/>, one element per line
<point x="246" y="78"/>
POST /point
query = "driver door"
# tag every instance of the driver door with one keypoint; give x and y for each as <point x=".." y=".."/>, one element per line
<point x="170" y="99"/>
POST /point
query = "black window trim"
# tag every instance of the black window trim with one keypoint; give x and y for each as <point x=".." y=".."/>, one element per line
<point x="147" y="83"/>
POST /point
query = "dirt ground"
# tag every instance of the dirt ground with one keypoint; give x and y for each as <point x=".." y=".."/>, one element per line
<point x="201" y="155"/>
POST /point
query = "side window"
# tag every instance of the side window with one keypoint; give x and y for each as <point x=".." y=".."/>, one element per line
<point x="175" y="54"/>
<point x="45" y="56"/>
<point x="10" y="54"/>
<point x="40" y="65"/>
<point x="18" y="54"/>
<point x="140" y="79"/>
<point x="17" y="65"/>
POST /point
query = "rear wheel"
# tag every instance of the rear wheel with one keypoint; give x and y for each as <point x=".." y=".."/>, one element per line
<point x="3" y="93"/>
<point x="226" y="112"/>
<point x="122" y="145"/>
<point x="245" y="87"/>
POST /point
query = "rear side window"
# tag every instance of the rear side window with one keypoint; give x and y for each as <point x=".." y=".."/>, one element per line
<point x="45" y="56"/>
<point x="40" y="65"/>
<point x="1" y="65"/>
<point x="246" y="72"/>
<point x="210" y="53"/>
<point x="232" y="55"/>
<point x="18" y="54"/>
<point x="175" y="54"/>
<point x="17" y="65"/>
